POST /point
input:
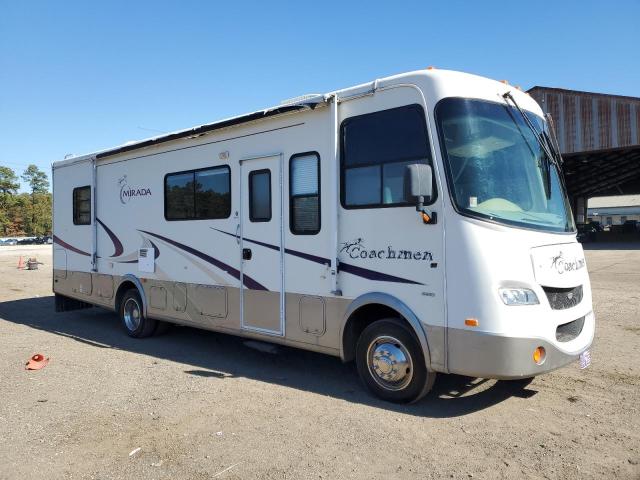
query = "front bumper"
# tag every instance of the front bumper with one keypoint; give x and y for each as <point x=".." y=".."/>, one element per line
<point x="488" y="355"/>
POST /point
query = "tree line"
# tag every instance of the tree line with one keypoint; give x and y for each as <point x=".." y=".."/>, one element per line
<point x="25" y="214"/>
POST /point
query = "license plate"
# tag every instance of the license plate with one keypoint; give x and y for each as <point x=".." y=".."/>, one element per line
<point x="585" y="359"/>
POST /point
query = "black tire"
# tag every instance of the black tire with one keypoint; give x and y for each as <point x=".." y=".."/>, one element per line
<point x="136" y="325"/>
<point x="416" y="380"/>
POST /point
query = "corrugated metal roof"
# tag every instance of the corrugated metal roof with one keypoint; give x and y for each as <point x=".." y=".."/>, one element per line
<point x="617" y="201"/>
<point x="588" y="121"/>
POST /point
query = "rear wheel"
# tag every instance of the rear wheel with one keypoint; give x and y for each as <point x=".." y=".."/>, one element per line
<point x="391" y="363"/>
<point x="133" y="318"/>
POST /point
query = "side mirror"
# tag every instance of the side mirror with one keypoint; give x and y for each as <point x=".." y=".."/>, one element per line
<point x="418" y="183"/>
<point x="418" y="188"/>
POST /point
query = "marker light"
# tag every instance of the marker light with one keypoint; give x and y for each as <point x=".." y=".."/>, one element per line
<point x="539" y="354"/>
<point x="471" y="322"/>
<point x="518" y="296"/>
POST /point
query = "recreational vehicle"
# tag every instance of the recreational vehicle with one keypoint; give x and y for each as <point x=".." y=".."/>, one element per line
<point x="415" y="224"/>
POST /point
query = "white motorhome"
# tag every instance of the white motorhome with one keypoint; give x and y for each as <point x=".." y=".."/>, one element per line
<point x="417" y="224"/>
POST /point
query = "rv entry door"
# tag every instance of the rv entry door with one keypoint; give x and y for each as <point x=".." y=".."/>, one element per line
<point x="261" y="242"/>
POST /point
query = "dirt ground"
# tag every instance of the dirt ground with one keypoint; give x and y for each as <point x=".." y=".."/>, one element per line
<point x="198" y="405"/>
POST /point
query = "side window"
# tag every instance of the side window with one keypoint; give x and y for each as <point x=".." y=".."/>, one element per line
<point x="198" y="194"/>
<point x="375" y="149"/>
<point x="82" y="205"/>
<point x="260" y="196"/>
<point x="304" y="194"/>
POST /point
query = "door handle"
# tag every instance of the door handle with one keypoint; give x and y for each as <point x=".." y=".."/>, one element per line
<point x="238" y="234"/>
<point x="246" y="254"/>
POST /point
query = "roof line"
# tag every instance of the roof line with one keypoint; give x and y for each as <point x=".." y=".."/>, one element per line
<point x="203" y="129"/>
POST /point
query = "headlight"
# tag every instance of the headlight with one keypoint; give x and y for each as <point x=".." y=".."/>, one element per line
<point x="518" y="296"/>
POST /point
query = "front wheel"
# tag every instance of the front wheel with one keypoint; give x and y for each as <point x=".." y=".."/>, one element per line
<point x="391" y="363"/>
<point x="133" y="318"/>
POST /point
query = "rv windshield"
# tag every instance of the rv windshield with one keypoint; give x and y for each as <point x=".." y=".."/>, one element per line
<point x="497" y="170"/>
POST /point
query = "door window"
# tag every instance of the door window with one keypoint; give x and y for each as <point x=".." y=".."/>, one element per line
<point x="260" y="196"/>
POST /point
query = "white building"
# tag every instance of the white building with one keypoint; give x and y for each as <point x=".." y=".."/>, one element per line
<point x="614" y="210"/>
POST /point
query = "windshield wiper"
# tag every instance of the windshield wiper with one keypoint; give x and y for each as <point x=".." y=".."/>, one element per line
<point x="542" y="139"/>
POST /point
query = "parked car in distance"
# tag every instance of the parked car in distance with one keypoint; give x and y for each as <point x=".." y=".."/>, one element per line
<point x="597" y="226"/>
<point x="586" y="233"/>
<point x="631" y="226"/>
<point x="9" y="242"/>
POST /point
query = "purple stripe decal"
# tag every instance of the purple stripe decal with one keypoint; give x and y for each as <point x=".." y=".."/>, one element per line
<point x="69" y="247"/>
<point x="247" y="280"/>
<point x="344" y="267"/>
<point x="295" y="253"/>
<point x="117" y="244"/>
<point x="373" y="275"/>
<point x="157" y="250"/>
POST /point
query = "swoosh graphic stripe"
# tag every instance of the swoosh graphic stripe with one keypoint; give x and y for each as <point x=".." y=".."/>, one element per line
<point x="117" y="244"/>
<point x="373" y="275"/>
<point x="295" y="253"/>
<point x="344" y="267"/>
<point x="247" y="280"/>
<point x="69" y="247"/>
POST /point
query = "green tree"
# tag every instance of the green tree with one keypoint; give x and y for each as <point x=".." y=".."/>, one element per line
<point x="39" y="184"/>
<point x="37" y="179"/>
<point x="8" y="181"/>
<point x="8" y="188"/>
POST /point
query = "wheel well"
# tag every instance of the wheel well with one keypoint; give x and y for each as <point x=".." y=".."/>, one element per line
<point x="122" y="289"/>
<point x="361" y="319"/>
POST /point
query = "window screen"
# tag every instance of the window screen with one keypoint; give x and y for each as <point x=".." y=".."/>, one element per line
<point x="260" y="196"/>
<point x="376" y="148"/>
<point x="304" y="194"/>
<point x="198" y="194"/>
<point x="82" y="205"/>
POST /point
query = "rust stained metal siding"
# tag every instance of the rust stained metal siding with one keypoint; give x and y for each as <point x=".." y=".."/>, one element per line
<point x="591" y="121"/>
<point x="586" y="115"/>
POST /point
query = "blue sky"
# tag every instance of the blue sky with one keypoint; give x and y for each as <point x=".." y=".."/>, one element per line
<point x="77" y="76"/>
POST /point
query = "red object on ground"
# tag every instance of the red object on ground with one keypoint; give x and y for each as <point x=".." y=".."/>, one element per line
<point x="20" y="263"/>
<point x="37" y="362"/>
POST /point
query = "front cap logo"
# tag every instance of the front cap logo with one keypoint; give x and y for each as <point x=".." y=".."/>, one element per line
<point x="562" y="265"/>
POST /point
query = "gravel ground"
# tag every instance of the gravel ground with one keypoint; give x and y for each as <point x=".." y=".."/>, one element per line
<point x="200" y="405"/>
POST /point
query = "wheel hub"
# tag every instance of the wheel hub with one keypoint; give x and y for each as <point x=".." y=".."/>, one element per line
<point x="132" y="314"/>
<point x="390" y="363"/>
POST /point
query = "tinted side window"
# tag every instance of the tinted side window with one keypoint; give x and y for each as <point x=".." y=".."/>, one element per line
<point x="213" y="193"/>
<point x="375" y="148"/>
<point x="82" y="205"/>
<point x="304" y="194"/>
<point x="178" y="192"/>
<point x="260" y="196"/>
<point x="198" y="194"/>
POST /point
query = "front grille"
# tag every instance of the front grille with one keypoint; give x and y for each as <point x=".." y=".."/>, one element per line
<point x="569" y="331"/>
<point x="562" y="298"/>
